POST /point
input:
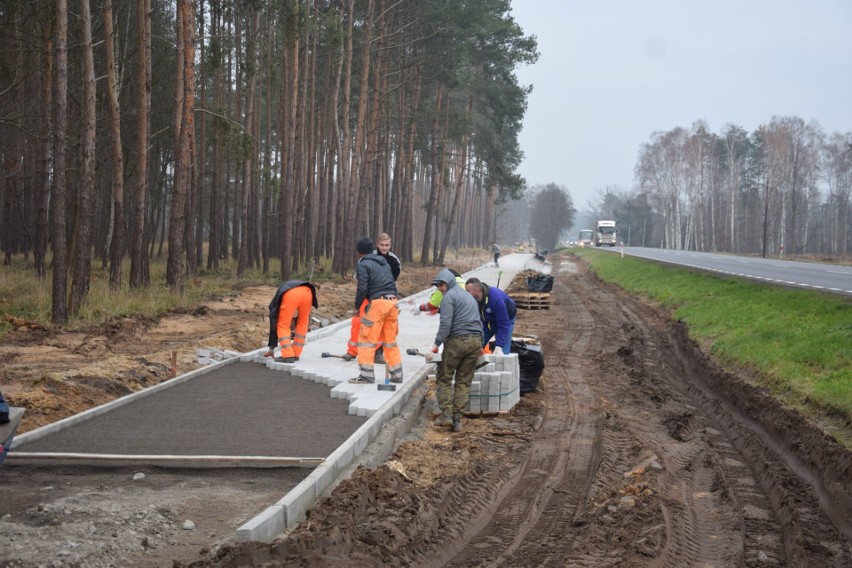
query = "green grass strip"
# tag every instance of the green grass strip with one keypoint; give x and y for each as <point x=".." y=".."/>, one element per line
<point x="799" y="342"/>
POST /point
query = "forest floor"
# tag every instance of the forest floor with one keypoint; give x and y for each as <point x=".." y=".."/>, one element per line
<point x="635" y="450"/>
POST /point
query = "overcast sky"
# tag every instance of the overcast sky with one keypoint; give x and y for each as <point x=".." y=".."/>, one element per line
<point x="612" y="72"/>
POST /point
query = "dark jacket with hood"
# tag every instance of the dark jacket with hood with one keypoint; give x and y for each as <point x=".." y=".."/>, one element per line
<point x="275" y="306"/>
<point x="375" y="279"/>
<point x="459" y="311"/>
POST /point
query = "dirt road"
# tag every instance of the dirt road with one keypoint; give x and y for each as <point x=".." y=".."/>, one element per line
<point x="636" y="451"/>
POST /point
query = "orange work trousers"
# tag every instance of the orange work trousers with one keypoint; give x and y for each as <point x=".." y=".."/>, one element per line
<point x="355" y="329"/>
<point x="379" y="326"/>
<point x="295" y="299"/>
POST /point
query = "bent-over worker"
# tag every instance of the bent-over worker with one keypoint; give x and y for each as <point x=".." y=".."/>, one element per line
<point x="497" y="312"/>
<point x="293" y="299"/>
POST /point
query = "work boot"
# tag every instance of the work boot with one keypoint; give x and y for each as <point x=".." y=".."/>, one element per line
<point x="347" y="357"/>
<point x="380" y="357"/>
<point x="444" y="420"/>
<point x="436" y="410"/>
<point x="285" y="359"/>
<point x="269" y="354"/>
<point x="457" y="423"/>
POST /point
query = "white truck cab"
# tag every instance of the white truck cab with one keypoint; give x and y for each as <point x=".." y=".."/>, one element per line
<point x="605" y="233"/>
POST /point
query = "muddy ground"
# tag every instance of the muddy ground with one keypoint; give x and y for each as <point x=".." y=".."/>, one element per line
<point x="636" y="450"/>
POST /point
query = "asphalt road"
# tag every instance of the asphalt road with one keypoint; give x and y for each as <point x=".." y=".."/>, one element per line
<point x="832" y="278"/>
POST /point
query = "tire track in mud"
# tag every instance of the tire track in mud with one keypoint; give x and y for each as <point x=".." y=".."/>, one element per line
<point x="767" y="506"/>
<point x="652" y="497"/>
<point x="657" y="471"/>
<point x="793" y="465"/>
<point x="564" y="454"/>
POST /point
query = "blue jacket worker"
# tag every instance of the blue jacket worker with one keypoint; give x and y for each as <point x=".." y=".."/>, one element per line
<point x="497" y="311"/>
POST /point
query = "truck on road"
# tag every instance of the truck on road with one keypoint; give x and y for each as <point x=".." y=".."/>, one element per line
<point x="605" y="233"/>
<point x="586" y="238"/>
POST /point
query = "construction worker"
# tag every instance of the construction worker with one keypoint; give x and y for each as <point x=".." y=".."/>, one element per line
<point x="495" y="250"/>
<point x="383" y="249"/>
<point x="497" y="312"/>
<point x="292" y="301"/>
<point x="461" y="334"/>
<point x="433" y="304"/>
<point x="383" y="245"/>
<point x="380" y="322"/>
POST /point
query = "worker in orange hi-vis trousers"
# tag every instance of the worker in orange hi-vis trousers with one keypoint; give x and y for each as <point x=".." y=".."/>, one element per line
<point x="354" y="332"/>
<point x="380" y="323"/>
<point x="383" y="246"/>
<point x="293" y="299"/>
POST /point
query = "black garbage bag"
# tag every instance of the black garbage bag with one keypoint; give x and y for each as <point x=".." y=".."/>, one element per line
<point x="540" y="283"/>
<point x="531" y="362"/>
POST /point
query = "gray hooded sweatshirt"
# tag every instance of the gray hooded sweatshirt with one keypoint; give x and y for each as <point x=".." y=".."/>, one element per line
<point x="459" y="311"/>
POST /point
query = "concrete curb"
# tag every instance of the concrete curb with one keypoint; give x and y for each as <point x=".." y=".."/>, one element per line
<point x="291" y="509"/>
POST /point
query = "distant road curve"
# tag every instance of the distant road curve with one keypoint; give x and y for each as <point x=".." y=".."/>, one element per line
<point x="832" y="278"/>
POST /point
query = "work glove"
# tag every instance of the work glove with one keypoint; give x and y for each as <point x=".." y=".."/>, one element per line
<point x="427" y="307"/>
<point x="498" y="351"/>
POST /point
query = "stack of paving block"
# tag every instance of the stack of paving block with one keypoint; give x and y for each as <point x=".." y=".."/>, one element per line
<point x="496" y="386"/>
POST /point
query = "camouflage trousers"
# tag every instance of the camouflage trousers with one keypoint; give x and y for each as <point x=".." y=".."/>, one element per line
<point x="458" y="359"/>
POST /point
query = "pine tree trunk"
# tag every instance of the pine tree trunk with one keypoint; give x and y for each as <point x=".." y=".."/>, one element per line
<point x="460" y="177"/>
<point x="175" y="274"/>
<point x="42" y="199"/>
<point x="138" y="260"/>
<point x="248" y="164"/>
<point x="116" y="252"/>
<point x="291" y="108"/>
<point x="83" y="258"/>
<point x="358" y="225"/>
<point x="217" y="178"/>
<point x="59" y="309"/>
<point x="433" y="186"/>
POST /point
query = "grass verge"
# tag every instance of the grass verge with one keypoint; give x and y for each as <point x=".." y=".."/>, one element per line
<point x="24" y="295"/>
<point x="798" y="342"/>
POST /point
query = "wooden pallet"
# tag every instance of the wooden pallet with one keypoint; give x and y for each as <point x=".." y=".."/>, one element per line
<point x="531" y="300"/>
